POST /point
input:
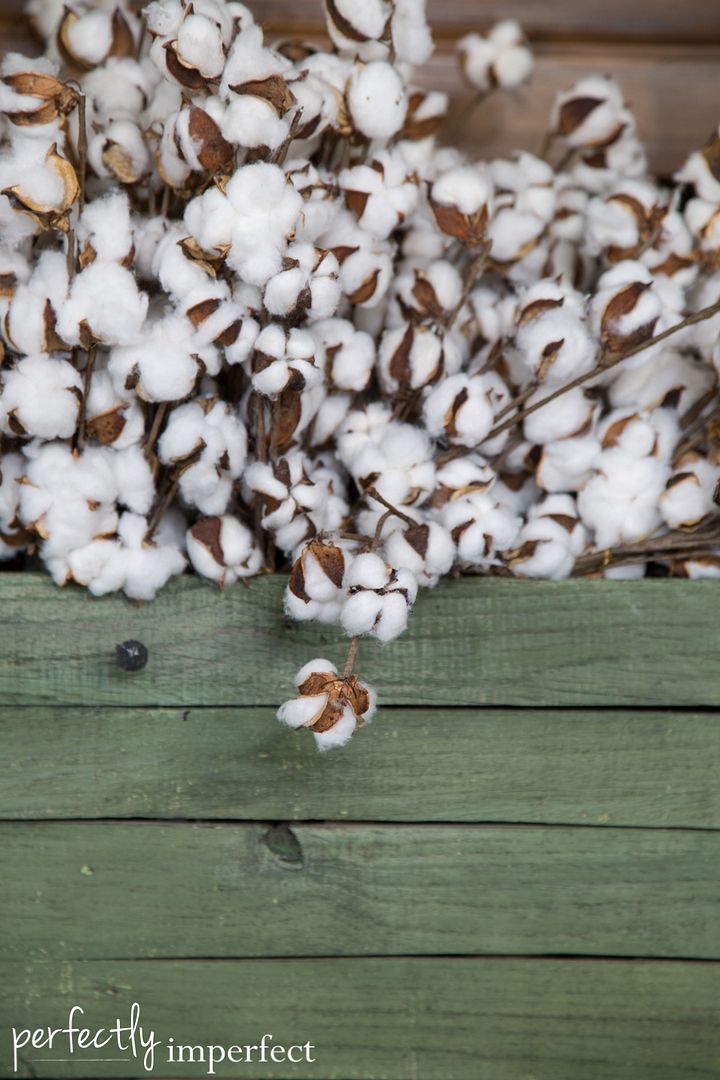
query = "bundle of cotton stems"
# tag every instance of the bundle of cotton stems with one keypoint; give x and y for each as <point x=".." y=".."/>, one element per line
<point x="257" y="316"/>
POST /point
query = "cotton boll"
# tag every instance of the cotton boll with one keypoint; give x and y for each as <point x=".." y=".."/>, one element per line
<point x="377" y="100"/>
<point x="332" y="706"/>
<point x="625" y="308"/>
<point x="133" y="478"/>
<point x="590" y="113"/>
<point x="500" y="59"/>
<point x="104" y="230"/>
<point x="400" y="465"/>
<point x="626" y="219"/>
<point x="480" y="527"/>
<point x="566" y="464"/>
<point x="223" y="549"/>
<point x="543" y="550"/>
<point x="349" y="353"/>
<point x="411" y="36"/>
<point x="112" y="419"/>
<point x="41" y="397"/>
<point x="316" y="587"/>
<point x="104" y="301"/>
<point x="672" y="379"/>
<point x="461" y="201"/>
<point x="149" y="565"/>
<point x="252" y="122"/>
<point x="699" y="171"/>
<point x="620" y="502"/>
<point x="412" y="357"/>
<point x="161" y="367"/>
<point x="427" y="550"/>
<point x="461" y="409"/>
<point x="359" y="28"/>
<point x="378" y="598"/>
<point x="555" y="344"/>
<point x="689" y="493"/>
<point x="641" y="434"/>
<point x="566" y="416"/>
<point x="119" y="152"/>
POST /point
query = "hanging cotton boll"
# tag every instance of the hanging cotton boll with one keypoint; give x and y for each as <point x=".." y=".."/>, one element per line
<point x="363" y="428"/>
<point x="427" y="550"/>
<point x="626" y="221"/>
<point x="432" y="293"/>
<point x="379" y="598"/>
<point x="399" y="465"/>
<point x="223" y="549"/>
<point x="566" y="464"/>
<point x="316" y="587"/>
<point x="41" y="398"/>
<point x="673" y="378"/>
<point x="359" y="29"/>
<point x="461" y="200"/>
<point x="462" y="408"/>
<point x="700" y="170"/>
<point x="104" y="230"/>
<point x="620" y="502"/>
<point x="480" y="526"/>
<point x="552" y="338"/>
<point x="689" y="493"/>
<point x="590" y="114"/>
<point x="411" y="357"/>
<point x="284" y="360"/>
<point x="381" y="193"/>
<point x="161" y="367"/>
<point x="571" y="414"/>
<point x="104" y="305"/>
<point x="330" y="705"/>
<point x="377" y="100"/>
<point x="112" y="419"/>
<point x="625" y="308"/>
<point x="501" y="59"/>
<point x="119" y="152"/>
<point x="349" y="354"/>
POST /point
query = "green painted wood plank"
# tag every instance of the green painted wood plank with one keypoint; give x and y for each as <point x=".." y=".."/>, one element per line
<point x="89" y="890"/>
<point x="593" y="767"/>
<point x="471" y="642"/>
<point x="392" y="1019"/>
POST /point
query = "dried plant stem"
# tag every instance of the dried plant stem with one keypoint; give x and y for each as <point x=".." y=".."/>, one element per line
<point x="87" y="378"/>
<point x="373" y="493"/>
<point x="609" y="361"/>
<point x="81" y="149"/>
<point x="162" y="503"/>
<point x="679" y="543"/>
<point x="70" y="253"/>
<point x="157" y="423"/>
<point x="472" y="273"/>
<point x="351" y="657"/>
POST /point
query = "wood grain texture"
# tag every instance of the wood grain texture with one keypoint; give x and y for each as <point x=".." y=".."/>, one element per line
<point x="565" y="767"/>
<point x="660" y="80"/>
<point x="609" y="20"/>
<point x="94" y="890"/>
<point x="395" y="1019"/>
<point x="470" y="642"/>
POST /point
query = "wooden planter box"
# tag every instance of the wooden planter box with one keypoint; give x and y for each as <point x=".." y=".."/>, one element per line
<point x="512" y="873"/>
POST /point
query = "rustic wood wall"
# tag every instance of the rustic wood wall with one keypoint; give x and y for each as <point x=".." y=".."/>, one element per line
<point x="511" y="875"/>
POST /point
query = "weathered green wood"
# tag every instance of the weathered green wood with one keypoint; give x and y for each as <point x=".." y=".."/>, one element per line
<point x="563" y="766"/>
<point x="90" y="890"/>
<point x="392" y="1019"/>
<point x="470" y="642"/>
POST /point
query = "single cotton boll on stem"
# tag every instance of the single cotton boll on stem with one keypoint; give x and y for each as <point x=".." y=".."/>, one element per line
<point x="377" y="100"/>
<point x="223" y="549"/>
<point x="427" y="550"/>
